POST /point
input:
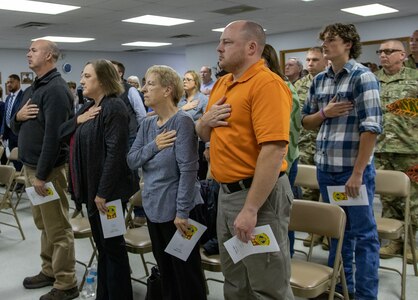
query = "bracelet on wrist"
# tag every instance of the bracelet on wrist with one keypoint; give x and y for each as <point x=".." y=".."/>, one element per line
<point x="323" y="114"/>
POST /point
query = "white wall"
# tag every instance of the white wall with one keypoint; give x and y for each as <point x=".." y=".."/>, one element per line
<point x="196" y="56"/>
<point x="202" y="55"/>
<point x="14" y="61"/>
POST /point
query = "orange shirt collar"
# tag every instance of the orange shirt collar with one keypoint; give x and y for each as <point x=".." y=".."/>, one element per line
<point x="251" y="71"/>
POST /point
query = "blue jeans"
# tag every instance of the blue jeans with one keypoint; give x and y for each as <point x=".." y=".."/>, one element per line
<point x="360" y="236"/>
<point x="297" y="194"/>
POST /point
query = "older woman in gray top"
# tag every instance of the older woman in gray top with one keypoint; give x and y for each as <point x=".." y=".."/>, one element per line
<point x="166" y="149"/>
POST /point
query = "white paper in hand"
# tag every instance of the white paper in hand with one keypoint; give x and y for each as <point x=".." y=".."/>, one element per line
<point x="36" y="199"/>
<point x="181" y="247"/>
<point x="113" y="222"/>
<point x="263" y="242"/>
<point x="337" y="196"/>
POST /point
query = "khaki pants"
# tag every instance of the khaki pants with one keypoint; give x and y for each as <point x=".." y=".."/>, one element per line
<point x="258" y="276"/>
<point x="57" y="239"/>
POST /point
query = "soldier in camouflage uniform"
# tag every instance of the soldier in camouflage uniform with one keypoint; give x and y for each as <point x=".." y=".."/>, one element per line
<point x="397" y="147"/>
<point x="316" y="63"/>
<point x="412" y="61"/>
<point x="307" y="140"/>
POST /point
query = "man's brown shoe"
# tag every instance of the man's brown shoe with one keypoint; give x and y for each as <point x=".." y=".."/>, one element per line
<point x="394" y="247"/>
<point x="56" y="294"/>
<point x="38" y="281"/>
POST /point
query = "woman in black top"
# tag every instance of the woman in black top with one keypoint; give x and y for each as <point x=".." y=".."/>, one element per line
<point x="98" y="137"/>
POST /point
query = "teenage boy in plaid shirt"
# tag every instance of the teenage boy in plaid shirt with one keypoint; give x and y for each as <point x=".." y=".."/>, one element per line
<point x="343" y="102"/>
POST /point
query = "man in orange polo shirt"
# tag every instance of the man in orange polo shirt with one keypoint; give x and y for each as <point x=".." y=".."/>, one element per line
<point x="247" y="123"/>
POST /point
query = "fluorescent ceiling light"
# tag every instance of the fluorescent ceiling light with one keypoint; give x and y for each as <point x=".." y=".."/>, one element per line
<point x="157" y="20"/>
<point x="64" y="39"/>
<point x="370" y="10"/>
<point x="36" y="7"/>
<point x="146" y="44"/>
<point x="307" y="0"/>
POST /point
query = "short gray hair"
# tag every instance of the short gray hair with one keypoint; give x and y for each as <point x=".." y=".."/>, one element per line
<point x="168" y="77"/>
<point x="55" y="51"/>
<point x="133" y="78"/>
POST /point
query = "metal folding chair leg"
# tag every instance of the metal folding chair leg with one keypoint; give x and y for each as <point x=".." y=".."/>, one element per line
<point x="88" y="265"/>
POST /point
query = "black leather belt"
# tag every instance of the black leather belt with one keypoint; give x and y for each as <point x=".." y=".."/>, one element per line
<point x="240" y="185"/>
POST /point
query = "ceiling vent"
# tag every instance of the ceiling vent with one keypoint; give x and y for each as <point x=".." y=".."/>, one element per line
<point x="135" y="50"/>
<point x="235" y="10"/>
<point x="181" y="36"/>
<point x="37" y="25"/>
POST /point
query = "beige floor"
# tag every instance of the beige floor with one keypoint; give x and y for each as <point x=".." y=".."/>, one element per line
<point x="21" y="258"/>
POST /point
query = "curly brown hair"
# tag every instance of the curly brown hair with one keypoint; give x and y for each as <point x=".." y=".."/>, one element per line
<point x="347" y="32"/>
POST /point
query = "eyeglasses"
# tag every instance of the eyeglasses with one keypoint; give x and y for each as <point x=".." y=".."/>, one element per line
<point x="188" y="79"/>
<point x="388" y="51"/>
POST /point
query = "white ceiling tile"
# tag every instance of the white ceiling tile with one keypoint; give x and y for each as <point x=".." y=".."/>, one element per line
<point x="101" y="19"/>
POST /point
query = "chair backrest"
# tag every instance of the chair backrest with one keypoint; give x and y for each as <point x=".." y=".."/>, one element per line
<point x="7" y="174"/>
<point x="317" y="217"/>
<point x="81" y="227"/>
<point x="1" y="151"/>
<point x="136" y="199"/>
<point x="392" y="183"/>
<point x="13" y="156"/>
<point x="306" y="177"/>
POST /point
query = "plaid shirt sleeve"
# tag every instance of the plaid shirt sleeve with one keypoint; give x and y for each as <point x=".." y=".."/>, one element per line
<point x="368" y="103"/>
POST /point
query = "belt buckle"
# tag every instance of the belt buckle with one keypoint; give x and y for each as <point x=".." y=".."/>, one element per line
<point x="241" y="184"/>
<point x="237" y="186"/>
<point x="225" y="188"/>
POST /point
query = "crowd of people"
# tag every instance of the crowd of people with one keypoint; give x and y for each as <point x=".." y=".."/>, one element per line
<point x="254" y="124"/>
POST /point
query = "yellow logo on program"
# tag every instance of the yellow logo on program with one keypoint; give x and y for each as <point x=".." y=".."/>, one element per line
<point x="339" y="196"/>
<point x="191" y="231"/>
<point x="261" y="239"/>
<point x="111" y="212"/>
<point x="49" y="191"/>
